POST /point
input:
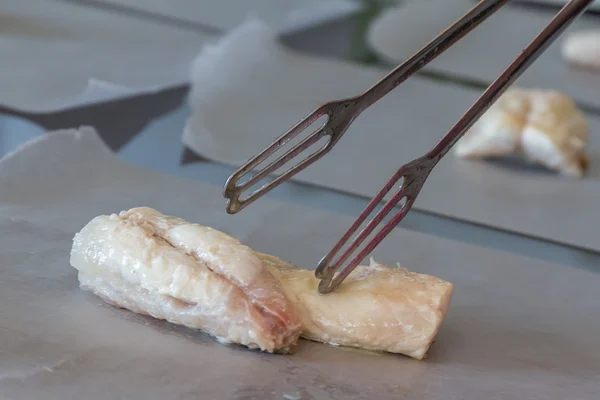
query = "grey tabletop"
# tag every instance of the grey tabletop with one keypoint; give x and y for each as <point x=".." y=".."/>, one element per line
<point x="146" y="131"/>
<point x="518" y="328"/>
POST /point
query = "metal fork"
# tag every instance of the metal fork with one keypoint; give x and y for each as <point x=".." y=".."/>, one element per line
<point x="340" y="114"/>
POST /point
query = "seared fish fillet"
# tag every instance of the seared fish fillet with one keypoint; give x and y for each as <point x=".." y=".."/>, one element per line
<point x="376" y="308"/>
<point x="187" y="274"/>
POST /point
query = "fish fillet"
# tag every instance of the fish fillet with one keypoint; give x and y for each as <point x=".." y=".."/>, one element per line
<point x="376" y="307"/>
<point x="187" y="274"/>
<point x="544" y="126"/>
<point x="196" y="276"/>
<point x="583" y="49"/>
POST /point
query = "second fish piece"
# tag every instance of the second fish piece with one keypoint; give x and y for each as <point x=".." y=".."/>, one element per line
<point x="376" y="308"/>
<point x="543" y="126"/>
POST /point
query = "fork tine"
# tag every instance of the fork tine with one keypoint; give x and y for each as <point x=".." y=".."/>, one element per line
<point x="375" y="221"/>
<point x="291" y="133"/>
<point x="414" y="174"/>
<point x="333" y="280"/>
<point x="288" y="156"/>
<point x="234" y="204"/>
<point x="324" y="263"/>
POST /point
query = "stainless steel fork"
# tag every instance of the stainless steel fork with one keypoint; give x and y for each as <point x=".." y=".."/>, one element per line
<point x="340" y="114"/>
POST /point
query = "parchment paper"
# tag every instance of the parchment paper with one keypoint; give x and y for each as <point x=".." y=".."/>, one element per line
<point x="57" y="55"/>
<point x="16" y="131"/>
<point x="283" y="15"/>
<point x="239" y="109"/>
<point x="489" y="49"/>
<point x="517" y="328"/>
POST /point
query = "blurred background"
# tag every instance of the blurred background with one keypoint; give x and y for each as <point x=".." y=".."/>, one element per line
<point x="126" y="67"/>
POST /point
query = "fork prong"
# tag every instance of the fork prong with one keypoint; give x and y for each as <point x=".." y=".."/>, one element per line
<point x="324" y="263"/>
<point x="231" y="184"/>
<point x="234" y="204"/>
<point x="368" y="229"/>
<point x="283" y="159"/>
<point x="333" y="279"/>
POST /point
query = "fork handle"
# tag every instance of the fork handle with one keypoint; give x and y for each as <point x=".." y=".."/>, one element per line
<point x="571" y="11"/>
<point x="468" y="22"/>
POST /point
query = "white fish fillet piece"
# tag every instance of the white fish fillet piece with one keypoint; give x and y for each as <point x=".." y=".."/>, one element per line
<point x="544" y="126"/>
<point x="187" y="274"/>
<point x="199" y="277"/>
<point x="376" y="308"/>
<point x="583" y="49"/>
